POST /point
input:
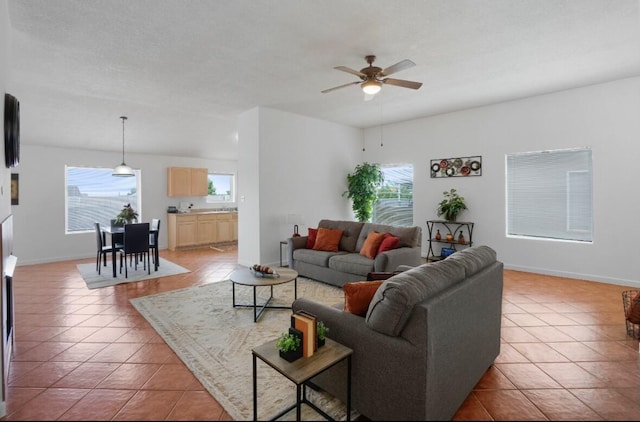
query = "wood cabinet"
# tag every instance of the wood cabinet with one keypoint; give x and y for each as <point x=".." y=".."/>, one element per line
<point x="200" y="229"/>
<point x="187" y="181"/>
<point x="207" y="229"/>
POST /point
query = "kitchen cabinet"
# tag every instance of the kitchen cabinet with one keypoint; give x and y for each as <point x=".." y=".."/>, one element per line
<point x="181" y="231"/>
<point x="195" y="229"/>
<point x="187" y="181"/>
<point x="207" y="228"/>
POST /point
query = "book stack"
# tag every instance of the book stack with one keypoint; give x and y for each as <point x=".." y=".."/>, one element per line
<point x="306" y="323"/>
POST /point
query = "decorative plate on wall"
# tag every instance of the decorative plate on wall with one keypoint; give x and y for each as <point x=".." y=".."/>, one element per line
<point x="459" y="166"/>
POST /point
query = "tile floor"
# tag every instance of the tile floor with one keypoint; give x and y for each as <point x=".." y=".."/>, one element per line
<point x="87" y="355"/>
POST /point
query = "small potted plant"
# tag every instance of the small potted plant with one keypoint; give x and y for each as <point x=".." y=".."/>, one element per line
<point x="290" y="345"/>
<point x="451" y="205"/>
<point x="322" y="333"/>
<point x="126" y="216"/>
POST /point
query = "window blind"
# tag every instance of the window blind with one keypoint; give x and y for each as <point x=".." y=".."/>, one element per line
<point x="549" y="194"/>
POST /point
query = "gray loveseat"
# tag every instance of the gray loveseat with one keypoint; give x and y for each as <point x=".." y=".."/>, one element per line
<point x="347" y="264"/>
<point x="429" y="335"/>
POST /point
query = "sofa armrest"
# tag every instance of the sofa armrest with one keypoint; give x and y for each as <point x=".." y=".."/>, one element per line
<point x="293" y="243"/>
<point x="379" y="362"/>
<point x="388" y="261"/>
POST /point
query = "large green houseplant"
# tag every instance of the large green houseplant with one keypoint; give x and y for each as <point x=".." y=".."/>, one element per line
<point x="451" y="205"/>
<point x="362" y="188"/>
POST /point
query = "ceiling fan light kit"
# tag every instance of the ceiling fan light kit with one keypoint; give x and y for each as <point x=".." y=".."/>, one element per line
<point x="373" y="77"/>
<point x="371" y="87"/>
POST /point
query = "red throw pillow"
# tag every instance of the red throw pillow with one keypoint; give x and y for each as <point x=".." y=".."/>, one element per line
<point x="358" y="295"/>
<point x="327" y="240"/>
<point x="388" y="243"/>
<point x="311" y="239"/>
<point x="371" y="244"/>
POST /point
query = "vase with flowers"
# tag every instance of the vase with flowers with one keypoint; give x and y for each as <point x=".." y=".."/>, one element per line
<point x="127" y="215"/>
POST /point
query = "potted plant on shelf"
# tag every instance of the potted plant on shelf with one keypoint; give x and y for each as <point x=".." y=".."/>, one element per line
<point x="127" y="215"/>
<point x="362" y="187"/>
<point x="290" y="345"/>
<point x="451" y="205"/>
<point x="322" y="333"/>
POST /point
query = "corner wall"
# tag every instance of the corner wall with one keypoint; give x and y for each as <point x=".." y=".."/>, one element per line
<point x="291" y="165"/>
<point x="603" y="117"/>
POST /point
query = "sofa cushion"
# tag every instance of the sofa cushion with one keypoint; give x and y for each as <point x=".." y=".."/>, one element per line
<point x="327" y="240"/>
<point x="311" y="238"/>
<point x="474" y="258"/>
<point x="409" y="236"/>
<point x="358" y="295"/>
<point x="371" y="244"/>
<point x="388" y="243"/>
<point x="351" y="232"/>
<point x="320" y="258"/>
<point x="393" y="302"/>
<point x="352" y="263"/>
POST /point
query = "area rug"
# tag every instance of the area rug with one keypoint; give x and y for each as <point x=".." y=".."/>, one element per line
<point x="105" y="278"/>
<point x="214" y="340"/>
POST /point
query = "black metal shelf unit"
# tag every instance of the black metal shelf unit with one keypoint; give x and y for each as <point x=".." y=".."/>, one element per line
<point x="453" y="227"/>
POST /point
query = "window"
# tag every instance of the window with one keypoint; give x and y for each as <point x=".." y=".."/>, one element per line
<point x="94" y="195"/>
<point x="221" y="187"/>
<point x="395" y="197"/>
<point x="549" y="194"/>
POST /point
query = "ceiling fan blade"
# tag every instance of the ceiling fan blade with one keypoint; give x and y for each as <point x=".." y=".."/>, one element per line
<point x="405" y="64"/>
<point x="402" y="83"/>
<point x="341" y="86"/>
<point x="352" y="71"/>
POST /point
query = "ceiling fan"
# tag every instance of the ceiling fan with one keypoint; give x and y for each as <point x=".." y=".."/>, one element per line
<point x="372" y="77"/>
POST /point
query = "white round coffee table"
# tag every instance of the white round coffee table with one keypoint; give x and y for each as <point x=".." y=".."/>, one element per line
<point x="246" y="277"/>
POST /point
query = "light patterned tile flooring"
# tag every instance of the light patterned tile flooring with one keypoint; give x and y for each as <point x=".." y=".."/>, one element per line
<point x="88" y="355"/>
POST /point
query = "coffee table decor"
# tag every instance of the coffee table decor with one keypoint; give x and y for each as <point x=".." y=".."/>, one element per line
<point x="263" y="271"/>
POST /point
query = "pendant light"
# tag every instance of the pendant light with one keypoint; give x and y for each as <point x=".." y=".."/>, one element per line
<point x="123" y="169"/>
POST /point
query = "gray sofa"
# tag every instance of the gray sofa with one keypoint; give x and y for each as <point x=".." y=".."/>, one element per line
<point x="429" y="335"/>
<point x="347" y="264"/>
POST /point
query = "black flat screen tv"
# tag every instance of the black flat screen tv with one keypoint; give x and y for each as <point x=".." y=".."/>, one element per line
<point x="11" y="130"/>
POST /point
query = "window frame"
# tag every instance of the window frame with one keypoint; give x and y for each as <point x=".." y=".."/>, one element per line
<point x="232" y="188"/>
<point x="406" y="222"/>
<point x="138" y="194"/>
<point x="518" y="223"/>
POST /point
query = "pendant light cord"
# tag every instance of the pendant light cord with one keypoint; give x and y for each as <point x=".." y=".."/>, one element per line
<point x="123" y="119"/>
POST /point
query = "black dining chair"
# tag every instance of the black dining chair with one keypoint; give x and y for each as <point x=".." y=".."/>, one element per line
<point x="135" y="243"/>
<point x="153" y="241"/>
<point x="102" y="249"/>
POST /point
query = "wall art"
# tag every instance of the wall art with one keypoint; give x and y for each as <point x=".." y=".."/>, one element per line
<point x="456" y="167"/>
<point x="15" y="188"/>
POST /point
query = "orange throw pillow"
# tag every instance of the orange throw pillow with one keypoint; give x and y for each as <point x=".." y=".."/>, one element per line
<point x="328" y="240"/>
<point x="371" y="244"/>
<point x="358" y="295"/>
<point x="388" y="243"/>
<point x="311" y="239"/>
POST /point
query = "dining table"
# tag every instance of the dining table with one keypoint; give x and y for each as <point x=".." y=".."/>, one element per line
<point x="116" y="233"/>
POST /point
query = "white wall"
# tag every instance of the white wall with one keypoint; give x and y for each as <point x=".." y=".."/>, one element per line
<point x="302" y="164"/>
<point x="39" y="219"/>
<point x="5" y="54"/>
<point x="604" y="117"/>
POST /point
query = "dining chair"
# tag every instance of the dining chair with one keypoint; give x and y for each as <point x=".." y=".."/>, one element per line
<point x="135" y="243"/>
<point x="102" y="249"/>
<point x="153" y="241"/>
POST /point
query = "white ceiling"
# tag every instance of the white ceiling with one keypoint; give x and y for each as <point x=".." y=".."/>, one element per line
<point x="183" y="70"/>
